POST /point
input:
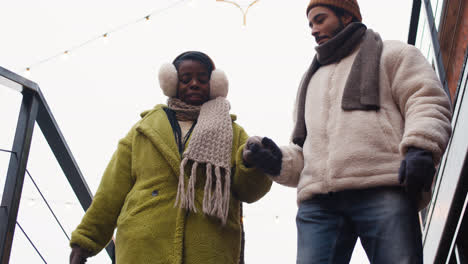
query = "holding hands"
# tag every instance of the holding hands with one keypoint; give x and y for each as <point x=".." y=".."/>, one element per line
<point x="263" y="154"/>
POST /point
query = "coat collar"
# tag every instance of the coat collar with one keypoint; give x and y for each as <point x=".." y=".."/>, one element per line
<point x="156" y="127"/>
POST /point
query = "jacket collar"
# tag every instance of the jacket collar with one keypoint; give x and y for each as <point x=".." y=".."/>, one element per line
<point x="156" y="127"/>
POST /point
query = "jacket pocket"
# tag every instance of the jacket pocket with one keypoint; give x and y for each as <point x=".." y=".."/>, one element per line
<point x="139" y="201"/>
<point x="387" y="131"/>
<point x="147" y="199"/>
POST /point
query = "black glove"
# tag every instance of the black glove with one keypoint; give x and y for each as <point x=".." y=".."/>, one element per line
<point x="79" y="255"/>
<point x="263" y="154"/>
<point x="417" y="171"/>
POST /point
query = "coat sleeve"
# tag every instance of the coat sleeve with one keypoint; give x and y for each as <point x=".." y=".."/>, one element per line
<point x="291" y="166"/>
<point x="98" y="224"/>
<point x="423" y="104"/>
<point x="248" y="184"/>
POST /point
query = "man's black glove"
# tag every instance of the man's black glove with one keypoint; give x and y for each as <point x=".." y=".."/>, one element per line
<point x="264" y="154"/>
<point x="417" y="171"/>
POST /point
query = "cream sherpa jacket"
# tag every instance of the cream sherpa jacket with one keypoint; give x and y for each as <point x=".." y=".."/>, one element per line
<point x="362" y="149"/>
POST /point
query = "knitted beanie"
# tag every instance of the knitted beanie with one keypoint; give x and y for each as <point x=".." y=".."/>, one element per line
<point x="350" y="6"/>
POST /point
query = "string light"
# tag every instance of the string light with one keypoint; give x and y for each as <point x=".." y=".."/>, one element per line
<point x="65" y="55"/>
<point x="27" y="72"/>
<point x="105" y="36"/>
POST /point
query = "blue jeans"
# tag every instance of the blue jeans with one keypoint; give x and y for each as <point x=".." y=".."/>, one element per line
<point x="384" y="218"/>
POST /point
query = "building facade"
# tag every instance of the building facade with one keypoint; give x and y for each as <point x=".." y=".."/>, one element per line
<point x="439" y="28"/>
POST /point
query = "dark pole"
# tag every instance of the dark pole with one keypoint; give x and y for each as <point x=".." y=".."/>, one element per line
<point x="16" y="170"/>
<point x="413" y="30"/>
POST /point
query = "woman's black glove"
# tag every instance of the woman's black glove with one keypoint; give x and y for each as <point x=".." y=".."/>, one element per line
<point x="417" y="171"/>
<point x="264" y="154"/>
<point x="79" y="255"/>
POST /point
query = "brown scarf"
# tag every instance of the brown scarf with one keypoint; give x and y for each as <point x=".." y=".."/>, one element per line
<point x="210" y="144"/>
<point x="361" y="91"/>
<point x="183" y="111"/>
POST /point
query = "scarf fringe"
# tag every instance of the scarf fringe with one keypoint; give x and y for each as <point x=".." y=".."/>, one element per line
<point x="207" y="197"/>
<point x="181" y="187"/>
<point x="191" y="189"/>
<point x="214" y="204"/>
<point x="227" y="194"/>
<point x="217" y="209"/>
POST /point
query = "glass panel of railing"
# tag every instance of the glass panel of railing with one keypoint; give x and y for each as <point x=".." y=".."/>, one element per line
<point x="438" y="12"/>
<point x="434" y="6"/>
<point x="427" y="48"/>
<point x="426" y="42"/>
<point x="421" y="29"/>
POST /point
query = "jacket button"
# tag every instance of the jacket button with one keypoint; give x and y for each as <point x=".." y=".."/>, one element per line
<point x="155" y="193"/>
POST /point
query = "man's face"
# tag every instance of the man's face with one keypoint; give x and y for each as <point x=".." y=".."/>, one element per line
<point x="194" y="82"/>
<point x="325" y="24"/>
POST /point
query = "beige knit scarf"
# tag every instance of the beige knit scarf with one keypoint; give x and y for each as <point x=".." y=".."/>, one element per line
<point x="210" y="144"/>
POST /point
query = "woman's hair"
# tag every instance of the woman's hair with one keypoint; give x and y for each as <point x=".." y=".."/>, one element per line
<point x="196" y="56"/>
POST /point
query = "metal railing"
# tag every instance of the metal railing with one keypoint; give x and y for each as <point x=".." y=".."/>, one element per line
<point x="34" y="109"/>
<point x="413" y="31"/>
<point x="445" y="214"/>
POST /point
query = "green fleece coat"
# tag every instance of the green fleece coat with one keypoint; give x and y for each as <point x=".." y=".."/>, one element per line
<point x="137" y="195"/>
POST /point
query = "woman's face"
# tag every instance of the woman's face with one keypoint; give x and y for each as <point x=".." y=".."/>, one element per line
<point x="194" y="82"/>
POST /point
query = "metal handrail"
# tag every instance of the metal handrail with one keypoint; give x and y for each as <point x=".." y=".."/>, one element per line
<point x="34" y="109"/>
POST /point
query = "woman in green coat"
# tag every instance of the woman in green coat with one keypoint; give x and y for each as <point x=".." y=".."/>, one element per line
<point x="174" y="186"/>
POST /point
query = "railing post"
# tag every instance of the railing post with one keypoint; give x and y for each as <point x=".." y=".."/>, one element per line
<point x="16" y="170"/>
<point x="413" y="30"/>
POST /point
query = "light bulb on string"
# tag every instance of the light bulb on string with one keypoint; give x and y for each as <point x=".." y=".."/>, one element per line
<point x="65" y="55"/>
<point x="27" y="72"/>
<point x="105" y="38"/>
<point x="147" y="20"/>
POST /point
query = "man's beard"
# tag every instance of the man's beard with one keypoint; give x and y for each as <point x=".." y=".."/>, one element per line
<point x="339" y="28"/>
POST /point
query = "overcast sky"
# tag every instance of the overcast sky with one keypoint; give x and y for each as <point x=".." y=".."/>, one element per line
<point x="97" y="92"/>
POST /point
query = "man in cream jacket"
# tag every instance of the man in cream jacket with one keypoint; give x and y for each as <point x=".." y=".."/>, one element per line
<point x="372" y="122"/>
